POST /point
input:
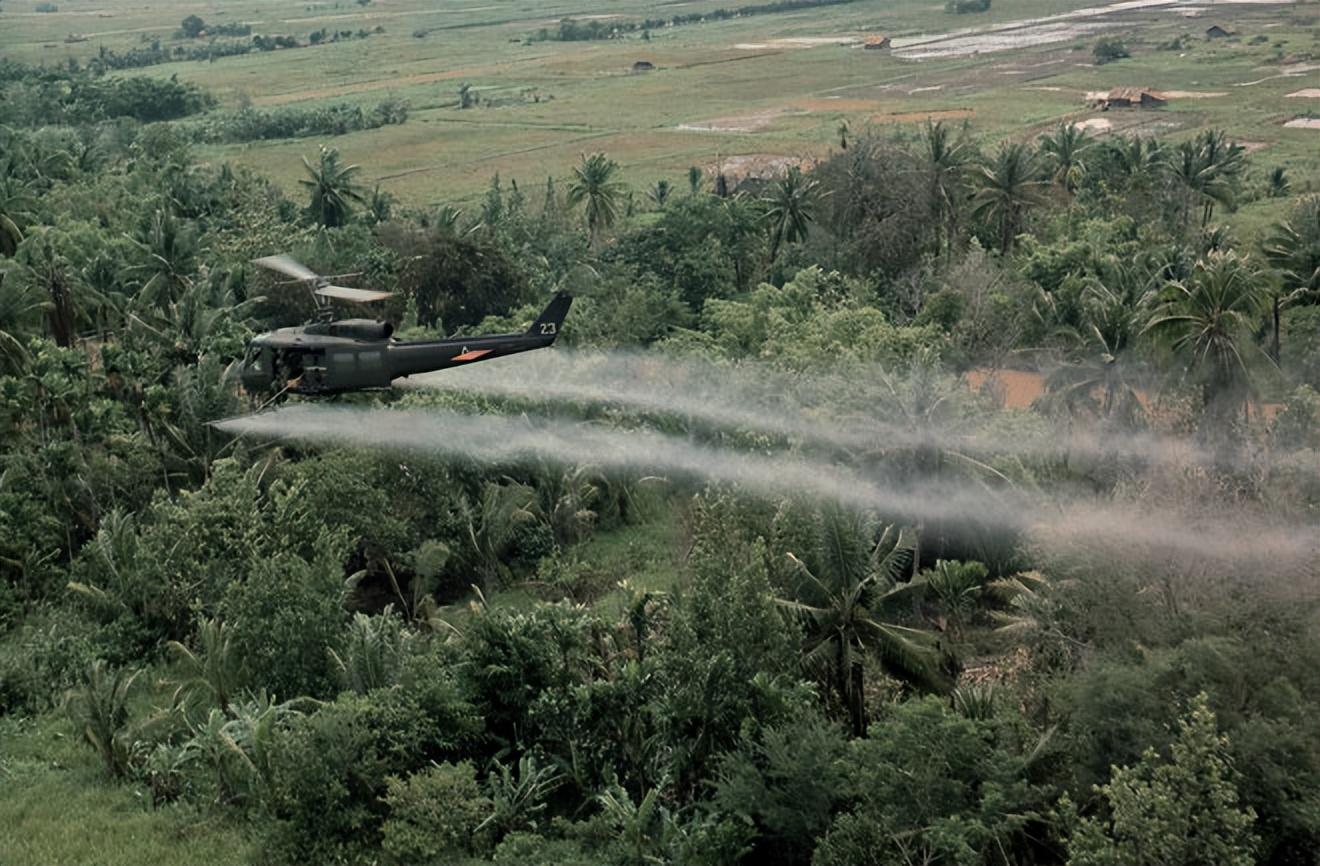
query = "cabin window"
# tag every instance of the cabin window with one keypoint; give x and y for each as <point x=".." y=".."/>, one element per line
<point x="292" y="362"/>
<point x="342" y="359"/>
<point x="369" y="361"/>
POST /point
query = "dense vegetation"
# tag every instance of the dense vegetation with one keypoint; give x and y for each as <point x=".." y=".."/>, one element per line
<point x="205" y="43"/>
<point x="362" y="657"/>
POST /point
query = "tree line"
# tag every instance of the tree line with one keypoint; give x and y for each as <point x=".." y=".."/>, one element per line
<point x="574" y="30"/>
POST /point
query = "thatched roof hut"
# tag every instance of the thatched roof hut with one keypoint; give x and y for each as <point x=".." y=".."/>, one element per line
<point x="1132" y="97"/>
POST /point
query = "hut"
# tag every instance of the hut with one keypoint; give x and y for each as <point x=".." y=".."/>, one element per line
<point x="1216" y="31"/>
<point x="877" y="42"/>
<point x="1132" y="97"/>
<point x="643" y="66"/>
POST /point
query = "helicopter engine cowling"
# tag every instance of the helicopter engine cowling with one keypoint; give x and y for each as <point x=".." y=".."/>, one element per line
<point x="361" y="329"/>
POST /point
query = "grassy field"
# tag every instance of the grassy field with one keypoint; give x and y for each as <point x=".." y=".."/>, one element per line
<point x="723" y="93"/>
<point x="58" y="808"/>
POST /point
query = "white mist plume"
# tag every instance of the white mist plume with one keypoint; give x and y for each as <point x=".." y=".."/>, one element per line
<point x="865" y="409"/>
<point x="1231" y="538"/>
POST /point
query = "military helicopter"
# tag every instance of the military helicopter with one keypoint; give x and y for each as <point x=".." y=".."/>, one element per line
<point x="329" y="356"/>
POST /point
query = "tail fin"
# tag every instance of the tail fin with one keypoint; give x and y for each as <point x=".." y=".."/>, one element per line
<point x="552" y="317"/>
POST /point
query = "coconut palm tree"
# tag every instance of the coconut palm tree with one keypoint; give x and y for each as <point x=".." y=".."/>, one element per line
<point x="1100" y="374"/>
<point x="1209" y="320"/>
<point x="842" y="596"/>
<point x="694" y="179"/>
<point x="332" y="187"/>
<point x="593" y="182"/>
<point x="1137" y="156"/>
<point x="790" y="208"/>
<point x="43" y="267"/>
<point x="1008" y="185"/>
<point x="20" y="304"/>
<point x="169" y="252"/>
<point x="946" y="163"/>
<point x="1065" y="151"/>
<point x="1206" y="168"/>
<point x="16" y="204"/>
<point x="1293" y="248"/>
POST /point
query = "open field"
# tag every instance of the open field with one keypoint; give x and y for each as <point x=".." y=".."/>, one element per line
<point x="767" y="86"/>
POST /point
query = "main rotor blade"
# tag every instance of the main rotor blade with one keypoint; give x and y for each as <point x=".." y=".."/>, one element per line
<point x="344" y="293"/>
<point x="288" y="266"/>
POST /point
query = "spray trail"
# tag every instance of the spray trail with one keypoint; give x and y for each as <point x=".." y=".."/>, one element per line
<point x="849" y="412"/>
<point x="1231" y="538"/>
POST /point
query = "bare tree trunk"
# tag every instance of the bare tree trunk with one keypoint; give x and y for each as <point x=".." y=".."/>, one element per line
<point x="857" y="701"/>
<point x="1274" y="347"/>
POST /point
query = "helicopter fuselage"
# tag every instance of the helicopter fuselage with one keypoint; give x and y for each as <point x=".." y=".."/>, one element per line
<point x="361" y="354"/>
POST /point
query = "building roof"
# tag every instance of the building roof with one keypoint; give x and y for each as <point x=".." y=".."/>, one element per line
<point x="1133" y="94"/>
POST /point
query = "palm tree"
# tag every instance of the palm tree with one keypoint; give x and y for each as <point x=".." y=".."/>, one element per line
<point x="169" y="250"/>
<point x="373" y="652"/>
<point x="1207" y="169"/>
<point x="946" y="164"/>
<point x="20" y="303"/>
<point x="593" y="182"/>
<point x="43" y="266"/>
<point x="1136" y="157"/>
<point x="1115" y="309"/>
<point x="1010" y="183"/>
<point x="1293" y="248"/>
<point x="659" y="192"/>
<point x="211" y="672"/>
<point x="842" y="597"/>
<point x="490" y="524"/>
<point x="790" y="208"/>
<point x="1209" y="320"/>
<point x="1064" y="151"/>
<point x="15" y="210"/>
<point x="99" y="707"/>
<point x="958" y="587"/>
<point x="1277" y="183"/>
<point x="694" y="179"/>
<point x="332" y="188"/>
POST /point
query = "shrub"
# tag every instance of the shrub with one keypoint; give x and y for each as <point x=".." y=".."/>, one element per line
<point x="328" y="771"/>
<point x="932" y="786"/>
<point x="1109" y="49"/>
<point x="326" y="781"/>
<point x="433" y="812"/>
<point x="1180" y="811"/>
<point x="42" y="658"/>
<point x="98" y="706"/>
<point x="787" y="785"/>
<point x="284" y="618"/>
<point x="191" y="27"/>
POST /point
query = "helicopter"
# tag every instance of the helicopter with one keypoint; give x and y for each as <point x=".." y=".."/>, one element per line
<point x="333" y="356"/>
